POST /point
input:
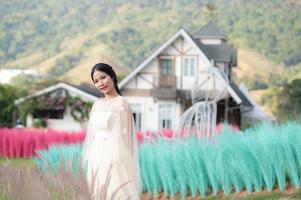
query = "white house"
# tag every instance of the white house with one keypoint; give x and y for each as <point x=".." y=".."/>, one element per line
<point x="159" y="88"/>
<point x="59" y="114"/>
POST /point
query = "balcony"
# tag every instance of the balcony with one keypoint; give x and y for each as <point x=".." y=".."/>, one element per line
<point x="164" y="93"/>
<point x="167" y="81"/>
<point x="166" y="87"/>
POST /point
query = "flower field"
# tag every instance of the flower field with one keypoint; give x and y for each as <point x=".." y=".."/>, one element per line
<point x="24" y="143"/>
<point x="259" y="159"/>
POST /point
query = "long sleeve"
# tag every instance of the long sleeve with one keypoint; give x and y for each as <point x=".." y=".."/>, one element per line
<point x="126" y="141"/>
<point x="88" y="140"/>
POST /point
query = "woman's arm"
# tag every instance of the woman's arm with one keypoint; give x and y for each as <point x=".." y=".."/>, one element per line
<point x="88" y="139"/>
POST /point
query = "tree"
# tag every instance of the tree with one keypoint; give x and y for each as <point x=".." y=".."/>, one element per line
<point x="289" y="100"/>
<point x="8" y="94"/>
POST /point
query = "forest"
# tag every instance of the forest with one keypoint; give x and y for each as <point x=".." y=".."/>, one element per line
<point x="135" y="28"/>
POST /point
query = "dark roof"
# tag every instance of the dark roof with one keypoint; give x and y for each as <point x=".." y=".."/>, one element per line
<point x="210" y="30"/>
<point x="219" y="52"/>
<point x="88" y="89"/>
<point x="243" y="98"/>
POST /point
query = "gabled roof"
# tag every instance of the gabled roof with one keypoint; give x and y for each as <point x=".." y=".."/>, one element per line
<point x="255" y="114"/>
<point x="220" y="52"/>
<point x="182" y="33"/>
<point x="210" y="30"/>
<point x="242" y="96"/>
<point x="75" y="89"/>
<point x="88" y="89"/>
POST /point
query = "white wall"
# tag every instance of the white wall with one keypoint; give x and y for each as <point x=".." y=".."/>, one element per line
<point x="174" y="48"/>
<point x="150" y="111"/>
<point x="211" y="41"/>
<point x="146" y="76"/>
<point x="176" y="110"/>
<point x="145" y="81"/>
<point x="66" y="124"/>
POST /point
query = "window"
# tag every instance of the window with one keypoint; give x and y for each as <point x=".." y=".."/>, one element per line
<point x="166" y="66"/>
<point x="48" y="113"/>
<point x="165" y="116"/>
<point x="137" y="114"/>
<point x="190" y="66"/>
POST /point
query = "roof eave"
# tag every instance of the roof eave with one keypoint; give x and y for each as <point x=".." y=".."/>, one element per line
<point x="54" y="87"/>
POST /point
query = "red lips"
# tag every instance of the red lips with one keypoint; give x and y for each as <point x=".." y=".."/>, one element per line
<point x="103" y="88"/>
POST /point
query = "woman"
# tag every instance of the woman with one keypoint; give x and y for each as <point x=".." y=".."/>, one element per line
<point x="110" y="146"/>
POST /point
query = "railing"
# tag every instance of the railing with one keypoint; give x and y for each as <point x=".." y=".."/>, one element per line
<point x="168" y="81"/>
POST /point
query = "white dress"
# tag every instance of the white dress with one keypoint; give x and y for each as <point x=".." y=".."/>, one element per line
<point x="110" y="150"/>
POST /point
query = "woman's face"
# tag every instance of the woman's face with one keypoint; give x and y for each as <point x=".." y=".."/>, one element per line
<point x="103" y="82"/>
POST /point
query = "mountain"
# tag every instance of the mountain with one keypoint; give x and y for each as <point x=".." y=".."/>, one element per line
<point x="256" y="70"/>
<point x="64" y="38"/>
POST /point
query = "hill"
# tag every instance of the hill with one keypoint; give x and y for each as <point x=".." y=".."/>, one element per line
<point x="256" y="70"/>
<point x="34" y="31"/>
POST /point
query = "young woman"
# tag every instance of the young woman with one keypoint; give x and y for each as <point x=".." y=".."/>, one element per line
<point x="110" y="147"/>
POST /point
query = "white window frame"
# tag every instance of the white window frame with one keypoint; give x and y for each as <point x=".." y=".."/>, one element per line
<point x="166" y="111"/>
<point x="189" y="66"/>
<point x="137" y="109"/>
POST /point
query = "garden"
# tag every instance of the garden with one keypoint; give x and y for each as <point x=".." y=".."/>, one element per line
<point x="262" y="162"/>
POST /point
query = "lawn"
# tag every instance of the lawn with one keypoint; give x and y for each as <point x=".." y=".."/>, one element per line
<point x="291" y="193"/>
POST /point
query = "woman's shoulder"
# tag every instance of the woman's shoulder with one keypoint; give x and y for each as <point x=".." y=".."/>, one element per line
<point x="123" y="102"/>
<point x="97" y="102"/>
<point x="115" y="104"/>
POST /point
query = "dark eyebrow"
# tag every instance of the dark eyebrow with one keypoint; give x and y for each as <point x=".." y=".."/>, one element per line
<point x="99" y="76"/>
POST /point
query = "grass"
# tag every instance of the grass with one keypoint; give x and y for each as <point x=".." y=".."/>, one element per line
<point x="290" y="194"/>
<point x="3" y="197"/>
<point x="17" y="162"/>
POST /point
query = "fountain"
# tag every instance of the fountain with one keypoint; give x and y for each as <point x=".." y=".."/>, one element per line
<point x="200" y="119"/>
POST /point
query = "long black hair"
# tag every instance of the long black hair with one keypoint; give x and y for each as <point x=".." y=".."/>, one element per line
<point x="103" y="67"/>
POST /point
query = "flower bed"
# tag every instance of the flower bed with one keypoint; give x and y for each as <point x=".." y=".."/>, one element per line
<point x="170" y="134"/>
<point x="22" y="142"/>
<point x="25" y="142"/>
<point x="262" y="158"/>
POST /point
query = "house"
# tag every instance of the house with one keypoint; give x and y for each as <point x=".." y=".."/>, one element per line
<point x="64" y="106"/>
<point x="159" y="88"/>
<point x="7" y="74"/>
